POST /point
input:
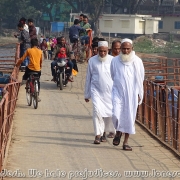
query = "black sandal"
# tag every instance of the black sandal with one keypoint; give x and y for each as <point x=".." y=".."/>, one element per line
<point x="127" y="147"/>
<point x="103" y="139"/>
<point x="117" y="140"/>
<point x="97" y="140"/>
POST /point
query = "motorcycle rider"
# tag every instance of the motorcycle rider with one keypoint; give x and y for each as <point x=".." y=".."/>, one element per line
<point x="61" y="43"/>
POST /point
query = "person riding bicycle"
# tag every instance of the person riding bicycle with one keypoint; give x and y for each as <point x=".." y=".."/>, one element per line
<point x="74" y="31"/>
<point x="61" y="43"/>
<point x="35" y="63"/>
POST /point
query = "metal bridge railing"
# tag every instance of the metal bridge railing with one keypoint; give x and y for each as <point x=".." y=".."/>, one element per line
<point x="8" y="102"/>
<point x="160" y="110"/>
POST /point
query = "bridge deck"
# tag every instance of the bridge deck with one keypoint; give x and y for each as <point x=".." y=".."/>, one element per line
<point x="59" y="135"/>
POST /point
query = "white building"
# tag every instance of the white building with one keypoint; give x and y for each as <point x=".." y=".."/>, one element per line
<point x="124" y="24"/>
<point x="170" y="24"/>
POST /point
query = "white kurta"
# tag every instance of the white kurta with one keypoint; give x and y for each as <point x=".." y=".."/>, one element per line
<point x="127" y="85"/>
<point x="99" y="88"/>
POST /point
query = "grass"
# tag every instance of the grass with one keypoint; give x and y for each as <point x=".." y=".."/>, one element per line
<point x="146" y="46"/>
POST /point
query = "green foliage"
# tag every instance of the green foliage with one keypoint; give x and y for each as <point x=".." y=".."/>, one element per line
<point x="11" y="11"/>
<point x="46" y="6"/>
<point x="144" y="46"/>
<point x="147" y="46"/>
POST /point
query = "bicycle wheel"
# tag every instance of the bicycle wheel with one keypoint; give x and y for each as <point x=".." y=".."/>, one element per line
<point x="28" y="94"/>
<point x="61" y="81"/>
<point x="35" y="97"/>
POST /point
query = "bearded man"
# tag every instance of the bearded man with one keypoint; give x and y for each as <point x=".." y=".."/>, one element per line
<point x="99" y="87"/>
<point x="127" y="72"/>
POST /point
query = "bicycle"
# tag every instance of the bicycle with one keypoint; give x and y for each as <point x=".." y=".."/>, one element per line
<point x="82" y="52"/>
<point x="32" y="89"/>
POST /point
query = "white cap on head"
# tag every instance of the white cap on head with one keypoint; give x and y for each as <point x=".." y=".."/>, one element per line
<point x="102" y="43"/>
<point x="126" y="40"/>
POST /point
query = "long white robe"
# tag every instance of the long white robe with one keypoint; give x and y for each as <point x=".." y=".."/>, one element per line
<point x="99" y="88"/>
<point x="127" y="85"/>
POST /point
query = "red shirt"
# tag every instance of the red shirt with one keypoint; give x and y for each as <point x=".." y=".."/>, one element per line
<point x="43" y="46"/>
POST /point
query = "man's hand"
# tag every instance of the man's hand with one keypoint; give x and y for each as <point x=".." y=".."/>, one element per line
<point x="87" y="100"/>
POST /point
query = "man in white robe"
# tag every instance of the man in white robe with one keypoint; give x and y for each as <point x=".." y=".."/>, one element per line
<point x="127" y="72"/>
<point x="99" y="88"/>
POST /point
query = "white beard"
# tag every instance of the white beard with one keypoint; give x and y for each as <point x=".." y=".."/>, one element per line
<point x="127" y="57"/>
<point x="102" y="59"/>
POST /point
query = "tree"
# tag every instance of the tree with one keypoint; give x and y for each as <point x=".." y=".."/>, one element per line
<point x="78" y="5"/>
<point x="93" y="7"/>
<point x="131" y="5"/>
<point x="46" y="6"/>
<point x="11" y="11"/>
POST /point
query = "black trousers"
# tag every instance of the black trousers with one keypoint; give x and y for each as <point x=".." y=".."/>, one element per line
<point x="26" y="75"/>
<point x="27" y="71"/>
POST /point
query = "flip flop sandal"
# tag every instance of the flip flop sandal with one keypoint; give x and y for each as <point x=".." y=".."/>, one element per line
<point x="127" y="147"/>
<point x="97" y="140"/>
<point x="117" y="140"/>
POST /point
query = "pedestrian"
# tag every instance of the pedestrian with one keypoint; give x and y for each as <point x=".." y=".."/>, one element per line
<point x="23" y="21"/>
<point x="96" y="40"/>
<point x="44" y="48"/>
<point x="32" y="29"/>
<point x="24" y="40"/>
<point x="127" y="72"/>
<point x="41" y="39"/>
<point x="25" y="27"/>
<point x="99" y="87"/>
<point x="94" y="48"/>
<point x="49" y="45"/>
<point x="115" y="48"/>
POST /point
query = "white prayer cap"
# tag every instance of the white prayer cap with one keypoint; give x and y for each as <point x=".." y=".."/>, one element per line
<point x="126" y="40"/>
<point x="103" y="43"/>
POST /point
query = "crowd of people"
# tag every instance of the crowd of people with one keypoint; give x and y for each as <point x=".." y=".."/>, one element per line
<point x="114" y="79"/>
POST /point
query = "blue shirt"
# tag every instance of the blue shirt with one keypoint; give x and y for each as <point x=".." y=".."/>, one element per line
<point x="74" y="31"/>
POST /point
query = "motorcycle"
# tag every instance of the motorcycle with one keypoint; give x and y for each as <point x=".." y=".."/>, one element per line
<point x="62" y="72"/>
